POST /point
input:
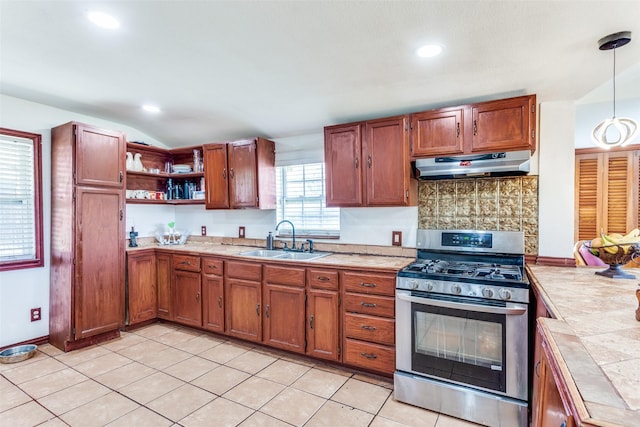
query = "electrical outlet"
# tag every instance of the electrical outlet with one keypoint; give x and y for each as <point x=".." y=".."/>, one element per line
<point x="241" y="232"/>
<point x="396" y="238"/>
<point x="203" y="230"/>
<point x="36" y="314"/>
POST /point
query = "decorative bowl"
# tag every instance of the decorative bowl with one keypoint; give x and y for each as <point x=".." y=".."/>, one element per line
<point x="17" y="353"/>
<point x="623" y="255"/>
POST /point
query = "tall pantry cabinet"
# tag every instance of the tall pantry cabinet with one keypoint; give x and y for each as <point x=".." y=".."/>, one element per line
<point x="87" y="235"/>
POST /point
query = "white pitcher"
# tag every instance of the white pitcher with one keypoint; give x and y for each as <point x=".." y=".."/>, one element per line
<point x="129" y="162"/>
<point x="137" y="163"/>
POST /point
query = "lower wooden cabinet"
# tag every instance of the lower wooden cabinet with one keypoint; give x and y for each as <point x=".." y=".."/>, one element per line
<point x="284" y="308"/>
<point x="369" y="320"/>
<point x="212" y="294"/>
<point x="552" y="411"/>
<point x="163" y="274"/>
<point x="142" y="287"/>
<point x="323" y="314"/>
<point x="187" y="298"/>
<point x="243" y="300"/>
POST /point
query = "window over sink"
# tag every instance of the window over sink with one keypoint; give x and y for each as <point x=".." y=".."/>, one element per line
<point x="300" y="193"/>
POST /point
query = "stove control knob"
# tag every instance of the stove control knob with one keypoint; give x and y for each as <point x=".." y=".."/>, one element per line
<point x="429" y="285"/>
<point x="505" y="294"/>
<point x="456" y="289"/>
<point x="487" y="293"/>
<point x="413" y="284"/>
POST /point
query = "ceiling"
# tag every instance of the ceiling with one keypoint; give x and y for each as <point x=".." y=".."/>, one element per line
<point x="222" y="70"/>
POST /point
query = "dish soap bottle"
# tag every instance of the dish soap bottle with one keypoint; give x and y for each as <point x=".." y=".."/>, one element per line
<point x="270" y="241"/>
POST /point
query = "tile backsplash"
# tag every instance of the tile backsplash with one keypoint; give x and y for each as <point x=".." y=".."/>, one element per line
<point x="504" y="203"/>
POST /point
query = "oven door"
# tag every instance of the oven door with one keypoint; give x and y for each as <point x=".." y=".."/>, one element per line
<point x="469" y="341"/>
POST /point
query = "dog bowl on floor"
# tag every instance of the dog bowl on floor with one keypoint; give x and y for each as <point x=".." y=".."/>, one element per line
<point x="18" y="353"/>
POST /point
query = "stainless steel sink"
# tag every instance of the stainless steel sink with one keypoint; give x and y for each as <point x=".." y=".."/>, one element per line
<point x="302" y="255"/>
<point x="263" y="253"/>
<point x="279" y="254"/>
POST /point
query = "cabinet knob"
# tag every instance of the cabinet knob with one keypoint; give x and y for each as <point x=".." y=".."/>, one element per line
<point x="369" y="161"/>
<point x="311" y="322"/>
<point x="198" y="296"/>
<point x="267" y="311"/>
<point x="220" y="302"/>
<point x="224" y="173"/>
<point x="258" y="309"/>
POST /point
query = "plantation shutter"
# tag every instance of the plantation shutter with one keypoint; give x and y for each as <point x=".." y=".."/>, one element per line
<point x="17" y="200"/>
<point x="607" y="191"/>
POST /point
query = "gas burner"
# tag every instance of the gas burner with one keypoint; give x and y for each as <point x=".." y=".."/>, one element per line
<point x="498" y="272"/>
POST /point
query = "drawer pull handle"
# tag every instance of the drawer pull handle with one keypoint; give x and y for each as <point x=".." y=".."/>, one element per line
<point x="267" y="311"/>
<point x="368" y="285"/>
<point x="368" y="304"/>
<point x="198" y="296"/>
<point x="369" y="355"/>
<point x="185" y="263"/>
<point x="311" y="322"/>
<point x="323" y="279"/>
<point x="213" y="267"/>
<point x="368" y="328"/>
<point x="220" y="302"/>
<point x="537" y="369"/>
<point x="258" y="309"/>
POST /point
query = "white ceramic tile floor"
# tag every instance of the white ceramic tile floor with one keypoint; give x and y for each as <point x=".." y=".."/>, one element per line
<point x="166" y="375"/>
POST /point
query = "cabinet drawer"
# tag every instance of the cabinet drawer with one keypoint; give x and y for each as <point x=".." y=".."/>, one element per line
<point x="244" y="270"/>
<point x="375" y="357"/>
<point x="370" y="304"/>
<point x="322" y="279"/>
<point x="380" y="284"/>
<point x="212" y="266"/>
<point x="282" y="275"/>
<point x="370" y="328"/>
<point x="186" y="262"/>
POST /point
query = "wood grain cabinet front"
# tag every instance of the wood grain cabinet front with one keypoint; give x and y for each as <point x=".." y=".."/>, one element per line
<point x="323" y="314"/>
<point x="142" y="287"/>
<point x="213" y="294"/>
<point x="163" y="272"/>
<point x="243" y="300"/>
<point x="369" y="320"/>
<point x="187" y="290"/>
<point x="367" y="164"/>
<point x="284" y="308"/>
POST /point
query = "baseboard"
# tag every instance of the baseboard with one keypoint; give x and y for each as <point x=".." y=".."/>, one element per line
<point x="36" y="341"/>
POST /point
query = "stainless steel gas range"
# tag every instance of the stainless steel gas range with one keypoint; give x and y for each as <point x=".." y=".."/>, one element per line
<point x="462" y="327"/>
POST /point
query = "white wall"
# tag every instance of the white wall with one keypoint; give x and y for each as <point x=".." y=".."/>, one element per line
<point x="556" y="154"/>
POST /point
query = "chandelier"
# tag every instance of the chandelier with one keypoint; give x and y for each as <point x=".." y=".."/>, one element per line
<point x="616" y="131"/>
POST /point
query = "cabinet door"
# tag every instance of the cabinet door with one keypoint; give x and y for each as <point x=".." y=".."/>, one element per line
<point x="142" y="287"/>
<point x="216" y="175"/>
<point x="187" y="303"/>
<point x="99" y="157"/>
<point x="243" y="309"/>
<point x="243" y="174"/>
<point x="385" y="153"/>
<point x="437" y="132"/>
<point x="552" y="410"/>
<point x="100" y="261"/>
<point x="342" y="150"/>
<point x="163" y="270"/>
<point x="323" y="337"/>
<point x="506" y="124"/>
<point x="213" y="302"/>
<point x="284" y="317"/>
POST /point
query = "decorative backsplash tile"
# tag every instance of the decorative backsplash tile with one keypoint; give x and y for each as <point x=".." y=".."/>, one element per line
<point x="505" y="203"/>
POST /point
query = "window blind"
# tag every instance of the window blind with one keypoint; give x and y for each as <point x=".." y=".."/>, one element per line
<point x="17" y="200"/>
<point x="300" y="192"/>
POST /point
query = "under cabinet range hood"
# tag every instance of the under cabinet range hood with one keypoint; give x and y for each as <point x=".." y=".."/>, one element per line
<point x="474" y="165"/>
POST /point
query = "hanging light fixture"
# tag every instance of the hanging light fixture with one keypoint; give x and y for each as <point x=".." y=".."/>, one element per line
<point x="624" y="129"/>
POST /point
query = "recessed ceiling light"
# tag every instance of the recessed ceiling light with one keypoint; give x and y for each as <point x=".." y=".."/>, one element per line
<point x="150" y="108"/>
<point x="429" y="50"/>
<point x="103" y="20"/>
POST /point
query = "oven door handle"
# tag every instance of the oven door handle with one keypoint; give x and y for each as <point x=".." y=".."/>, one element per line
<point x="509" y="311"/>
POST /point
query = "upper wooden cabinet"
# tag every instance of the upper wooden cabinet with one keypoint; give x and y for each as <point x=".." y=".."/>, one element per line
<point x="240" y="174"/>
<point x="502" y="125"/>
<point x="367" y="164"/>
<point x="437" y="132"/>
<point x="98" y="156"/>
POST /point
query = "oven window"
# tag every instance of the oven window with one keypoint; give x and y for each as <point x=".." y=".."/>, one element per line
<point x="463" y="346"/>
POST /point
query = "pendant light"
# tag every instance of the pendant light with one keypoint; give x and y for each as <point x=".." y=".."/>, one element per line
<point x="625" y="128"/>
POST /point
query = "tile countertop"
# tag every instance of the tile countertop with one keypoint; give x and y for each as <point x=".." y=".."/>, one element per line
<point x="598" y="338"/>
<point x="349" y="260"/>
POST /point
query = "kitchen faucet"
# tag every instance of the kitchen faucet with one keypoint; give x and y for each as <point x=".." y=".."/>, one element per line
<point x="293" y="232"/>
